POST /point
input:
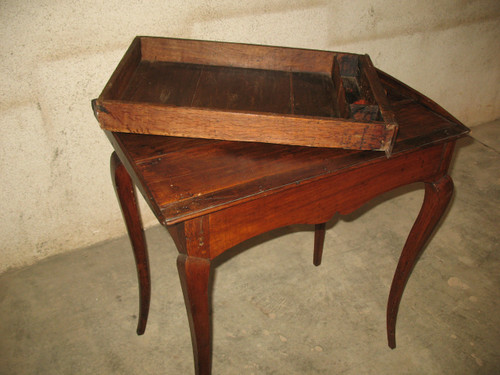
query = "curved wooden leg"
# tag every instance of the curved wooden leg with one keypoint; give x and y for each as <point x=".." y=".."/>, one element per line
<point x="195" y="276"/>
<point x="125" y="192"/>
<point x="436" y="199"/>
<point x="319" y="240"/>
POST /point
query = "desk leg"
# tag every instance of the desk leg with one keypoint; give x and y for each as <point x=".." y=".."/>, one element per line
<point x="195" y="277"/>
<point x="319" y="240"/>
<point x="436" y="199"/>
<point x="125" y="192"/>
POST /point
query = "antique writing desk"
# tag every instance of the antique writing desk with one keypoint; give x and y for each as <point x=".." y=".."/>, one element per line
<point x="212" y="195"/>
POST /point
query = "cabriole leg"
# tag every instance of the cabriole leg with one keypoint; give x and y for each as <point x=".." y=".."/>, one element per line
<point x="125" y="192"/>
<point x="319" y="240"/>
<point x="436" y="199"/>
<point x="195" y="277"/>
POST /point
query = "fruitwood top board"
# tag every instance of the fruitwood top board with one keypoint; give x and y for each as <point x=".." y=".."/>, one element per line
<point x="240" y="92"/>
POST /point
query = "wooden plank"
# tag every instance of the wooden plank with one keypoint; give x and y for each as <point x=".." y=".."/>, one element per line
<point x="236" y="55"/>
<point x="144" y="148"/>
<point x="163" y="83"/>
<point x="205" y="169"/>
<point x="231" y="88"/>
<point x="241" y="89"/>
<point x="423" y="121"/>
<point x="207" y="176"/>
<point x="240" y="126"/>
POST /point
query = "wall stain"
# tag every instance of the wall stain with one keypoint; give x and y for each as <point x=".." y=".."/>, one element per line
<point x="408" y="27"/>
<point x="207" y="13"/>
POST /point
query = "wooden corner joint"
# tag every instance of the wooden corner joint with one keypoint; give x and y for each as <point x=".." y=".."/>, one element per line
<point x="97" y="107"/>
<point x="388" y="143"/>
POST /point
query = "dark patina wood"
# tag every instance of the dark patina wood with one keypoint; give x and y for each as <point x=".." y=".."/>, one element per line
<point x="319" y="241"/>
<point x="241" y="92"/>
<point x="214" y="194"/>
<point x="125" y="192"/>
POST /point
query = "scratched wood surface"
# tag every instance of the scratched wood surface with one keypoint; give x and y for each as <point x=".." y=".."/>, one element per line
<point x="232" y="89"/>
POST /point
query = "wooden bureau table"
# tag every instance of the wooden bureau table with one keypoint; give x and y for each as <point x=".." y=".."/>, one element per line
<point x="212" y="195"/>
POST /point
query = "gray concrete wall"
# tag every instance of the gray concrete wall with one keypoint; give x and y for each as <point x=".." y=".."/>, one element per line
<point x="56" y="56"/>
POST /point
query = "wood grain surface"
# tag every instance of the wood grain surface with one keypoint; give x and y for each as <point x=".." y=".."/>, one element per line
<point x="241" y="92"/>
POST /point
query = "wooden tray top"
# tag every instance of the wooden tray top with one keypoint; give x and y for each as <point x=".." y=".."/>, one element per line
<point x="241" y="92"/>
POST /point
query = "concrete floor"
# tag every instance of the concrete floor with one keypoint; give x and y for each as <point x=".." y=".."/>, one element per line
<point x="274" y="312"/>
